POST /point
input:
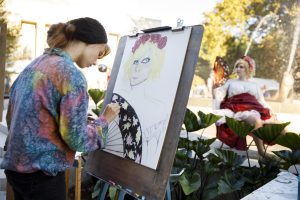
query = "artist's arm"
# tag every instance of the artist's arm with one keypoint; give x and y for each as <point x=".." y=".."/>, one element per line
<point x="74" y="129"/>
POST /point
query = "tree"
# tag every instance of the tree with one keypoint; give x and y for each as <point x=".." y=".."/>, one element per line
<point x="13" y="34"/>
<point x="229" y="28"/>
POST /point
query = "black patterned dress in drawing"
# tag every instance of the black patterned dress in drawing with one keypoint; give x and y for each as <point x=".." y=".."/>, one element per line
<point x="128" y="128"/>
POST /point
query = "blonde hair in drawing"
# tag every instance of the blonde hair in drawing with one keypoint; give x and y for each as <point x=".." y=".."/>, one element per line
<point x="147" y="58"/>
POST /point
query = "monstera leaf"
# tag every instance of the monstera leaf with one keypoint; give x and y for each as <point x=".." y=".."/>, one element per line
<point x="292" y="157"/>
<point x="190" y="182"/>
<point x="190" y="121"/>
<point x="289" y="140"/>
<point x="96" y="94"/>
<point x="269" y="132"/>
<point x="207" y="119"/>
<point x="240" y="128"/>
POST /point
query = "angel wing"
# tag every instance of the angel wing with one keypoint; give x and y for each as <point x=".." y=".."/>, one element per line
<point x="221" y="72"/>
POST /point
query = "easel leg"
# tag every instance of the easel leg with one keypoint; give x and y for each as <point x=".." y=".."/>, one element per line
<point x="104" y="191"/>
<point x="9" y="192"/>
<point x="78" y="180"/>
<point x="121" y="195"/>
<point x="168" y="192"/>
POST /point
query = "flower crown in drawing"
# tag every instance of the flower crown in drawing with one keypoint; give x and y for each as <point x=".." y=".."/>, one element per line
<point x="250" y="61"/>
<point x="154" y="38"/>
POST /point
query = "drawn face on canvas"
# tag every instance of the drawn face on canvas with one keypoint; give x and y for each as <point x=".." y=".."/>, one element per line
<point x="141" y="68"/>
<point x="146" y="61"/>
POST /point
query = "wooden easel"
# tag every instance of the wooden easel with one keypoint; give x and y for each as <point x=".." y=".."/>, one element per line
<point x="78" y="170"/>
<point x="139" y="180"/>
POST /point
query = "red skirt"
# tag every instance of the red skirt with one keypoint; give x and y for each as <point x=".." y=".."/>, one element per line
<point x="238" y="103"/>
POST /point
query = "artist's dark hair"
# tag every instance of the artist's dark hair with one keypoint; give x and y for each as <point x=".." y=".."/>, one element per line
<point x="59" y="35"/>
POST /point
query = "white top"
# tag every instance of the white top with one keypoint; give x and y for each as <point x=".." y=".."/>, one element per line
<point x="234" y="87"/>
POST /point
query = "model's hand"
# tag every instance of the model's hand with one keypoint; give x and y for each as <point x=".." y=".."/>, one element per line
<point x="274" y="116"/>
<point x="111" y="111"/>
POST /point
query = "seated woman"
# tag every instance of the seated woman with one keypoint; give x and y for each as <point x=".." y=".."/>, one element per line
<point x="242" y="100"/>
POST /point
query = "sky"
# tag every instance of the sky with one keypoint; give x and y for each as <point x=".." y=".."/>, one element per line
<point x="168" y="11"/>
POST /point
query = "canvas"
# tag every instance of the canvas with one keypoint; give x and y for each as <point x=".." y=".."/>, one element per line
<point x="145" y="88"/>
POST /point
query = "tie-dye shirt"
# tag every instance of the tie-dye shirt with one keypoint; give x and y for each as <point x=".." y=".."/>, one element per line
<point x="47" y="117"/>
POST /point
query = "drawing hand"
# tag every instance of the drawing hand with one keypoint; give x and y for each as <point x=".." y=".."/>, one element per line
<point x="111" y="111"/>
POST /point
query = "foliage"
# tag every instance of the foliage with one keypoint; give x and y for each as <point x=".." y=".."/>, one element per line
<point x="289" y="140"/>
<point x="207" y="120"/>
<point x="97" y="96"/>
<point x="13" y="34"/>
<point x="240" y="128"/>
<point x="217" y="173"/>
<point x="230" y="26"/>
<point x="270" y="132"/>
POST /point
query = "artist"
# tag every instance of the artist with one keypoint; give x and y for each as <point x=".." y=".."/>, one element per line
<point x="47" y="113"/>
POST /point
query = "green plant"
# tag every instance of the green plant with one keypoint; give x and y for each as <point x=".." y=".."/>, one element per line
<point x="270" y="132"/>
<point x="203" y="169"/>
<point x="205" y="173"/>
<point x="242" y="129"/>
<point x="97" y="96"/>
<point x="292" y="156"/>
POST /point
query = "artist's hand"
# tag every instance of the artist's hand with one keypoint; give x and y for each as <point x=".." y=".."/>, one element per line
<point x="111" y="111"/>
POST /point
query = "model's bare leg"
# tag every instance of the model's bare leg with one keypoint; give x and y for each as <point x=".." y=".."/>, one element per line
<point x="258" y="142"/>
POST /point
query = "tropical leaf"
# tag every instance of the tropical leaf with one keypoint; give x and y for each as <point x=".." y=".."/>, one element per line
<point x="210" y="191"/>
<point x="207" y="141"/>
<point x="181" y="159"/>
<point x="100" y="105"/>
<point x="190" y="183"/>
<point x="112" y="191"/>
<point x="228" y="183"/>
<point x="230" y="158"/>
<point x="251" y="175"/>
<point x="202" y="146"/>
<point x="190" y="121"/>
<point x="97" y="189"/>
<point x="292" y="157"/>
<point x="185" y="143"/>
<point x="269" y="132"/>
<point x="96" y="111"/>
<point x="289" y="140"/>
<point x="207" y="119"/>
<point x="211" y="168"/>
<point x="240" y="128"/>
<point x="96" y="94"/>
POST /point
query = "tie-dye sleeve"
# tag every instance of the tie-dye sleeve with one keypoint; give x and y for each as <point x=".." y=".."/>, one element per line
<point x="74" y="129"/>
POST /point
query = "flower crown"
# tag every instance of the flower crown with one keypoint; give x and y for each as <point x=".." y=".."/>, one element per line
<point x="250" y="61"/>
<point x="154" y="38"/>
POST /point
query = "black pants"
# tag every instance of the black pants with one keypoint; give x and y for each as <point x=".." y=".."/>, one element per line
<point x="37" y="185"/>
